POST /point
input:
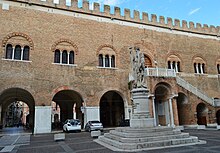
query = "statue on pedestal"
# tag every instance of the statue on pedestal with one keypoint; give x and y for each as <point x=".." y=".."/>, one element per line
<point x="136" y="77"/>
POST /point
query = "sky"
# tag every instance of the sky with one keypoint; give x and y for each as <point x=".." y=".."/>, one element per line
<point x="198" y="11"/>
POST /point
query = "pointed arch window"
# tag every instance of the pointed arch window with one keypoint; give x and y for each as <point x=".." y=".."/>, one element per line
<point x="9" y="51"/>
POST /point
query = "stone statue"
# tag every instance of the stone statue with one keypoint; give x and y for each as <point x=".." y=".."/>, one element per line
<point x="136" y="77"/>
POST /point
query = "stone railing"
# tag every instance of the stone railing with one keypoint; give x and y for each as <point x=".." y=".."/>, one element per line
<point x="161" y="72"/>
<point x="217" y="102"/>
<point x="194" y="90"/>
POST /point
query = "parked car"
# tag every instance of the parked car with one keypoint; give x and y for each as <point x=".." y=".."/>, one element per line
<point x="93" y="125"/>
<point x="125" y="122"/>
<point x="72" y="125"/>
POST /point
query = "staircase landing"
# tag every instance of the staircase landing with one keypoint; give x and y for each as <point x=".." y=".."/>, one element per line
<point x="132" y="139"/>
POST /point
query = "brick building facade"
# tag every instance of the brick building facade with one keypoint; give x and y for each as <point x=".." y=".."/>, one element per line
<point x="79" y="59"/>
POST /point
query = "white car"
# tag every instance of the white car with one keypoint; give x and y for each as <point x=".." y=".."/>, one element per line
<point x="72" y="125"/>
<point x="93" y="125"/>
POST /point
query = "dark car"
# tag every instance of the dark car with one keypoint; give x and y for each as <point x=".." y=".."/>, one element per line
<point x="93" y="125"/>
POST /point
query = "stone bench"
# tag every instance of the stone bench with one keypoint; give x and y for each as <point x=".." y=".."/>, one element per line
<point x="59" y="136"/>
<point x="201" y="127"/>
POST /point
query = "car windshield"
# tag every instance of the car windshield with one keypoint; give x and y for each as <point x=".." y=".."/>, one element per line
<point x="95" y="122"/>
<point x="74" y="122"/>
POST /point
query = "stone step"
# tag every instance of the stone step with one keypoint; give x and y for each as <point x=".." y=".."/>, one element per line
<point x="145" y="139"/>
<point x="153" y="144"/>
<point x="144" y="130"/>
<point x="142" y="134"/>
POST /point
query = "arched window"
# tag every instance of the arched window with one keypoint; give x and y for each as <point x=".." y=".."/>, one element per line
<point x="71" y="57"/>
<point x="113" y="61"/>
<point x="107" y="61"/>
<point x="195" y="68"/>
<point x="64" y="57"/>
<point x="203" y="68"/>
<point x="218" y="68"/>
<point x="26" y="53"/>
<point x="57" y="56"/>
<point x="100" y="60"/>
<point x="169" y="65"/>
<point x="17" y="54"/>
<point x="9" y="51"/>
<point x="147" y="61"/>
<point x="178" y="66"/>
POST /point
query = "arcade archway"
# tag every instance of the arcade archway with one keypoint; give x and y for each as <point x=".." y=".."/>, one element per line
<point x="111" y="109"/>
<point x="17" y="108"/>
<point x="202" y="112"/>
<point x="218" y="117"/>
<point x="182" y="107"/>
<point x="162" y="110"/>
<point x="66" y="104"/>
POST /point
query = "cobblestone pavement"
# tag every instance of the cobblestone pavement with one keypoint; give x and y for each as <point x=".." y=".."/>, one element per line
<point x="83" y="143"/>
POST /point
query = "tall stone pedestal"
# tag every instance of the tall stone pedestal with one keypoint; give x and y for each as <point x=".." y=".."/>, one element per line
<point x="141" y="117"/>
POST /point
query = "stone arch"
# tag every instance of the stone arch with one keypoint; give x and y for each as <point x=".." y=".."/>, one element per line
<point x="182" y="107"/>
<point x="72" y="44"/>
<point x="202" y="112"/>
<point x="105" y="46"/>
<point x="18" y="34"/>
<point x="112" y="109"/>
<point x="149" y="51"/>
<point x="70" y="103"/>
<point x="218" y="117"/>
<point x="199" y="58"/>
<point x="17" y="95"/>
<point x="162" y="92"/>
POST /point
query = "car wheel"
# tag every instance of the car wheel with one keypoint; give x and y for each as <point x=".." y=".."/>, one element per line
<point x="89" y="130"/>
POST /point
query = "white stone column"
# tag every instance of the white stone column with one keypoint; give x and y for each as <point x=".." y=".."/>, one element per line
<point x="61" y="57"/>
<point x="91" y="113"/>
<point x="42" y="119"/>
<point x="171" y="113"/>
<point x="22" y="52"/>
<point x="171" y="64"/>
<point x="13" y="52"/>
<point x="103" y="60"/>
<point x="176" y="68"/>
<point x="154" y="111"/>
<point x="201" y="68"/>
<point x="68" y="57"/>
<point x="110" y="61"/>
<point x="197" y="68"/>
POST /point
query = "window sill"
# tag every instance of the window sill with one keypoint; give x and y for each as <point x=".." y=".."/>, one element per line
<point x="112" y="68"/>
<point x="13" y="60"/>
<point x="74" y="65"/>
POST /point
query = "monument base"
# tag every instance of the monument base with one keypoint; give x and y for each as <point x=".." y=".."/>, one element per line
<point x="142" y="123"/>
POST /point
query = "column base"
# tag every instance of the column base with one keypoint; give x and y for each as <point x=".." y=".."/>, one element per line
<point x="142" y="123"/>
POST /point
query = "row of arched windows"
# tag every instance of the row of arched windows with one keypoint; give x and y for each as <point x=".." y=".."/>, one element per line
<point x="64" y="57"/>
<point x="175" y="65"/>
<point x="17" y="52"/>
<point x="106" y="60"/>
<point x="199" y="68"/>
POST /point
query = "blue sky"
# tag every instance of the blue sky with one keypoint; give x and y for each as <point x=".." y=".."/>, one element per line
<point x="198" y="11"/>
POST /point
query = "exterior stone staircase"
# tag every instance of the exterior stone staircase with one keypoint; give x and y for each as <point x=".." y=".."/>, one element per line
<point x="161" y="72"/>
<point x="133" y="139"/>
